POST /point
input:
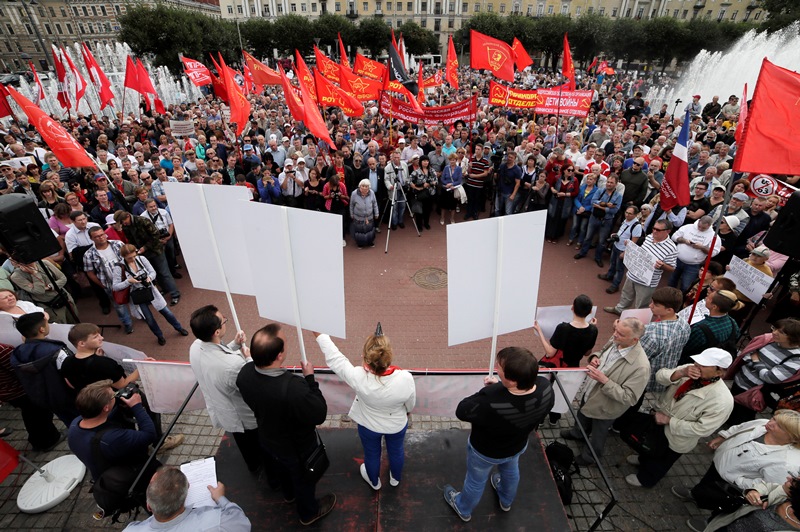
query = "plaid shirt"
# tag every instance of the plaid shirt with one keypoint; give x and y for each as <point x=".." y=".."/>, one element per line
<point x="93" y="262"/>
<point x="721" y="327"/>
<point x="663" y="342"/>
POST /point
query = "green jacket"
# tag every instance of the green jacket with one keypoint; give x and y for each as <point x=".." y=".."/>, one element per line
<point x="143" y="233"/>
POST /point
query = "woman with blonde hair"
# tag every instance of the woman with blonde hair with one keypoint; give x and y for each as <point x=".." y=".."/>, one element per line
<point x="385" y="395"/>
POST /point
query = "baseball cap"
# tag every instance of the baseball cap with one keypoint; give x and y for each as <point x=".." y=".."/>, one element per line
<point x="288" y="163"/>
<point x="110" y="219"/>
<point x="99" y="177"/>
<point x="714" y="356"/>
<point x="6" y="163"/>
<point x="741" y="196"/>
<point x="248" y="147"/>
<point x="761" y="251"/>
<point x="696" y="96"/>
<point x="401" y="140"/>
<point x="732" y="221"/>
<point x="284" y="139"/>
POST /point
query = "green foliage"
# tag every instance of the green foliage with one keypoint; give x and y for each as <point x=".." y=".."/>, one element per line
<point x="659" y="35"/>
<point x="625" y="38"/>
<point x="328" y="25"/>
<point x="418" y="40"/>
<point x="373" y="36"/>
<point x="296" y="33"/>
<point x="782" y="13"/>
<point x="488" y="23"/>
<point x="258" y="35"/>
<point x="589" y="36"/>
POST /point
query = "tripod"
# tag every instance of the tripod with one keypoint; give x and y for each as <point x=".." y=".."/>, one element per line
<point x="393" y="200"/>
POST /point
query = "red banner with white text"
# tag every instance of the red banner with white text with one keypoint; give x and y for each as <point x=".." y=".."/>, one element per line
<point x="511" y="97"/>
<point x="573" y="103"/>
<point x="447" y="114"/>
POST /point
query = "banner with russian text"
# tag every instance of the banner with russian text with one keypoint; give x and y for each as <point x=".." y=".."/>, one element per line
<point x="447" y="114"/>
<point x="511" y="97"/>
<point x="573" y="103"/>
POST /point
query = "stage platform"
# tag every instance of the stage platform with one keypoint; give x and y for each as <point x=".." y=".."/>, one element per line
<point x="433" y="459"/>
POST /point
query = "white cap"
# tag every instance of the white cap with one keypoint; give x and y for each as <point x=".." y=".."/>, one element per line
<point x="714" y="356"/>
<point x="732" y="221"/>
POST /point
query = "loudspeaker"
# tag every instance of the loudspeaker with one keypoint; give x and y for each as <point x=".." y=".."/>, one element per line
<point x="784" y="237"/>
<point x="24" y="233"/>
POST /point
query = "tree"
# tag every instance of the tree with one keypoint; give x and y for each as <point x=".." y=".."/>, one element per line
<point x="589" y="36"/>
<point x="660" y="34"/>
<point x="488" y="23"/>
<point x="524" y="29"/>
<point x="327" y="26"/>
<point x="781" y="13"/>
<point x="373" y="36"/>
<point x="625" y="38"/>
<point x="258" y="35"/>
<point x="418" y="40"/>
<point x="550" y="33"/>
<point x="296" y="33"/>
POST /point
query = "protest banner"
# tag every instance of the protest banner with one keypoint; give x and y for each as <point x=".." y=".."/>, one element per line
<point x="640" y="263"/>
<point x="763" y="186"/>
<point x="749" y="281"/>
<point x="166" y="385"/>
<point x="511" y="97"/>
<point x="572" y="103"/>
<point x="182" y="128"/>
<point x="447" y="114"/>
<point x="549" y="317"/>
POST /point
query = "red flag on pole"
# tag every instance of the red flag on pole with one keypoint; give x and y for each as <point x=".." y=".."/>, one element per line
<point x="80" y="83"/>
<point x="401" y="49"/>
<point x="342" y="52"/>
<point x="397" y="47"/>
<point x="592" y="65"/>
<point x="742" y="122"/>
<point x="567" y="67"/>
<point x="521" y="57"/>
<point x="62" y="144"/>
<point x="332" y="96"/>
<point x="131" y="76"/>
<point x="774" y="107"/>
<point x="675" y="186"/>
<point x="239" y="104"/>
<point x="147" y="86"/>
<point x="305" y="79"/>
<point x="491" y="54"/>
<point x="61" y="77"/>
<point x="262" y="74"/>
<point x="451" y="70"/>
<point x="5" y="108"/>
<point x="311" y="115"/>
<point x="326" y="66"/>
<point x="218" y="83"/>
<point x="368" y="68"/>
<point x="364" y="89"/>
<point x="40" y="93"/>
<point x="296" y="107"/>
<point x="97" y="76"/>
<point x="196" y="71"/>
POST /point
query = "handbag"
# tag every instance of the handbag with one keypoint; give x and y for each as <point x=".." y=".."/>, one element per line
<point x="315" y="465"/>
<point x="122" y="297"/>
<point x="754" y="398"/>
<point x="644" y="435"/>
<point x="142" y="293"/>
<point x="555" y="361"/>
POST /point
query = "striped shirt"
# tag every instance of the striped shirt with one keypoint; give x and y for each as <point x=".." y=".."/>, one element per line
<point x="666" y="251"/>
<point x="774" y="365"/>
<point x="663" y="342"/>
<point x="477" y="166"/>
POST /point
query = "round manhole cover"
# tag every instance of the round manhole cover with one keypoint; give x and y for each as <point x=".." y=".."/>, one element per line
<point x="430" y="278"/>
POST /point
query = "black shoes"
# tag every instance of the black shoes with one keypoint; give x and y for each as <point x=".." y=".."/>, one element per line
<point x="162" y="340"/>
<point x="326" y="504"/>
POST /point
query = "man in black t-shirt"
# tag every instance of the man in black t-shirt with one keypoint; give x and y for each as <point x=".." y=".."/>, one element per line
<point x="503" y="414"/>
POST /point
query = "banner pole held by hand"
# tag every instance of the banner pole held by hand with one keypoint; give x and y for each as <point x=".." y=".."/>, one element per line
<point x="498" y="283"/>
<point x="292" y="282"/>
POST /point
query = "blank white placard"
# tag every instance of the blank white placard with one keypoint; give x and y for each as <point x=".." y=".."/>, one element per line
<point x="316" y="244"/>
<point x="192" y="225"/>
<point x="472" y="269"/>
<point x="550" y="317"/>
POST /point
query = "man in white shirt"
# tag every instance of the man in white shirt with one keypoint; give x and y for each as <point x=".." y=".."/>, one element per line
<point x="291" y="185"/>
<point x="163" y="222"/>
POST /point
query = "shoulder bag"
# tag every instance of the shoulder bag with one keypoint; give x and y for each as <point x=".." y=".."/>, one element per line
<point x="317" y="462"/>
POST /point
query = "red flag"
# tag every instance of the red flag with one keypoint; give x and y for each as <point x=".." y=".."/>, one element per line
<point x="397" y="47"/>
<point x="742" y="122"/>
<point x="239" y="104"/>
<point x="304" y="76"/>
<point x="326" y="66"/>
<point x="368" y="68"/>
<point x="342" y="52"/>
<point x="262" y="74"/>
<point x="603" y="66"/>
<point x="131" y="76"/>
<point x="98" y="77"/>
<point x="197" y="72"/>
<point x="61" y="77"/>
<point x="433" y="81"/>
<point x="451" y="70"/>
<point x="62" y="144"/>
<point x="80" y="83"/>
<point x="311" y="115"/>
<point x="363" y="89"/>
<point x="218" y="83"/>
<point x="40" y="94"/>
<point x="401" y="49"/>
<point x="296" y="107"/>
<point x="421" y="85"/>
<point x="332" y="96"/>
<point x="144" y="78"/>
<point x="567" y="67"/>
<point x="592" y="65"/>
<point x="773" y="108"/>
<point x="398" y="80"/>
<point x="521" y="57"/>
<point x="9" y="459"/>
<point x="254" y="88"/>
<point x="675" y="186"/>
<point x="491" y="54"/>
<point x="5" y="108"/>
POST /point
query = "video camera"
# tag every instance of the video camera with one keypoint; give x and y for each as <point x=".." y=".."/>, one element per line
<point x="127" y="392"/>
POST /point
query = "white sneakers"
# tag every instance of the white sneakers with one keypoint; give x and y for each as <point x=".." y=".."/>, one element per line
<point x="365" y="476"/>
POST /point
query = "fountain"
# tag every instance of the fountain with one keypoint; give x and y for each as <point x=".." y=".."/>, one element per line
<point x="725" y="73"/>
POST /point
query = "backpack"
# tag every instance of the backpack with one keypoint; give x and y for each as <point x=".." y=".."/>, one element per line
<point x="729" y="344"/>
<point x="561" y="459"/>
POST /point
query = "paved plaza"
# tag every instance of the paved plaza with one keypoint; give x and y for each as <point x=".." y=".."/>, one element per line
<point x="381" y="287"/>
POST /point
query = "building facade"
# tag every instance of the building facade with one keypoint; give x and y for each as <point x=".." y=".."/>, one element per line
<point x="28" y="28"/>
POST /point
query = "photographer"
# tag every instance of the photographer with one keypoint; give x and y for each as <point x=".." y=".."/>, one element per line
<point x="135" y="276"/>
<point x="291" y="185"/>
<point x="336" y="200"/>
<point x="166" y="230"/>
<point x="267" y="186"/>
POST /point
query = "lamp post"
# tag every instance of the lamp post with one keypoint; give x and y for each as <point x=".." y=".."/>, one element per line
<point x="35" y="27"/>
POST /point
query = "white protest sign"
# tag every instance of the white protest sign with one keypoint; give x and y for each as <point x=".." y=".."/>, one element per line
<point x="193" y="224"/>
<point x="21" y="162"/>
<point x="640" y="263"/>
<point x="645" y="315"/>
<point x="472" y="253"/>
<point x="166" y="385"/>
<point x="749" y="281"/>
<point x="550" y="317"/>
<point x="182" y="128"/>
<point x="310" y="251"/>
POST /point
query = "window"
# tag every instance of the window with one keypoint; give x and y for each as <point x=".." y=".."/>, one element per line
<point x="239" y="9"/>
<point x="53" y="12"/>
<point x="464" y="7"/>
<point x="230" y="10"/>
<point x="338" y="6"/>
<point x="564" y="9"/>
<point x="94" y="11"/>
<point x="58" y="29"/>
<point x="117" y="9"/>
<point x="640" y="12"/>
<point x="399" y="23"/>
<point x="758" y="15"/>
<point x="399" y="6"/>
<point x="675" y="13"/>
<point x="279" y="7"/>
<point x="313" y="8"/>
<point x="378" y="6"/>
<point x="253" y="10"/>
<point x="85" y="11"/>
<point x="388" y="6"/>
<point x="75" y="11"/>
<point x="708" y="14"/>
<point x="303" y="7"/>
<point x="293" y="8"/>
<point x="602" y="11"/>
<point x="628" y="12"/>
<point x="48" y="29"/>
<point x="91" y="27"/>
<point x="437" y="24"/>
<point x="540" y="10"/>
<point x="477" y="8"/>
<point x="424" y="7"/>
<point x="733" y="15"/>
<point x="721" y="14"/>
<point x="42" y="13"/>
<point x="451" y="7"/>
<point x="9" y="29"/>
<point x="589" y="10"/>
<point x="29" y="29"/>
<point x="365" y="6"/>
<point x="103" y="11"/>
<point x="63" y="13"/>
<point x="108" y="27"/>
<point x="653" y="13"/>
<point x="685" y="13"/>
<point x="490" y="8"/>
<point x="530" y="10"/>
<point x="423" y="23"/>
<point x="614" y="12"/>
<point x="549" y="10"/>
<point x="266" y="11"/>
<point x="502" y="8"/>
<point x="451" y="23"/>
<point x="578" y="11"/>
<point x="410" y="7"/>
<point x="746" y="16"/>
<point x="437" y="8"/>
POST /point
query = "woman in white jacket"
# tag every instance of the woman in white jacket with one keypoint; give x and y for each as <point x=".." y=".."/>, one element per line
<point x="385" y="395"/>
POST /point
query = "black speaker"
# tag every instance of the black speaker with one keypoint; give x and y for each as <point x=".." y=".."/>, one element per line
<point x="24" y="233"/>
<point x="784" y="237"/>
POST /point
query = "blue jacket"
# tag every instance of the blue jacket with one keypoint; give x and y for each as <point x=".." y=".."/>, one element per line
<point x="268" y="193"/>
<point x="615" y="198"/>
<point x="34" y="363"/>
<point x="585" y="200"/>
<point x="450" y="175"/>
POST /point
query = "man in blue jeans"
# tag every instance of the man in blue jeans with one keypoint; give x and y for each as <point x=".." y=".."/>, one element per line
<point x="503" y="414"/>
<point x="630" y="229"/>
<point x="604" y="208"/>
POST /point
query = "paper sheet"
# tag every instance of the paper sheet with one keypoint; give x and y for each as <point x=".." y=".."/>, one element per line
<point x="201" y="474"/>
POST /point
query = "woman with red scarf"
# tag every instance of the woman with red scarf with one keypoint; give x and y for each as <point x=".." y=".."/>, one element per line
<point x="385" y="395"/>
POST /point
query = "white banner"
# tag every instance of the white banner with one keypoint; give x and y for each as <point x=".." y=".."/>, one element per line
<point x="645" y="315"/>
<point x="21" y="162"/>
<point x="166" y="385"/>
<point x="550" y="317"/>
<point x="472" y="254"/>
<point x="749" y="281"/>
<point x="182" y="128"/>
<point x="640" y="263"/>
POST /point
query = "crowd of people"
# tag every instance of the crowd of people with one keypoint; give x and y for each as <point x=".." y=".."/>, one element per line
<point x="598" y="179"/>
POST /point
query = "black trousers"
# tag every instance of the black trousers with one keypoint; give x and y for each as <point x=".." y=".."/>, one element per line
<point x="711" y="493"/>
<point x="294" y="484"/>
<point x="42" y="433"/>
